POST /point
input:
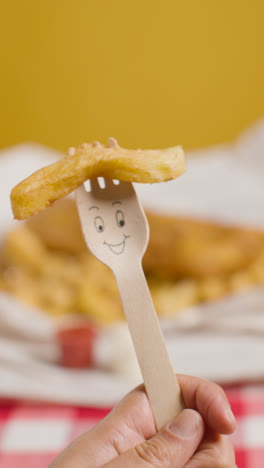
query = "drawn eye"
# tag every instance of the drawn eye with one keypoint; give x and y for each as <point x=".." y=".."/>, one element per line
<point x="99" y="224"/>
<point x="120" y="218"/>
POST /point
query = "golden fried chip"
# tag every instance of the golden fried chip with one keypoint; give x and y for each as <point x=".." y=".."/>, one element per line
<point x="257" y="269"/>
<point x="44" y="262"/>
<point x="22" y="247"/>
<point x="172" y="297"/>
<point x="92" y="160"/>
<point x="59" y="227"/>
<point x="212" y="288"/>
<point x="192" y="248"/>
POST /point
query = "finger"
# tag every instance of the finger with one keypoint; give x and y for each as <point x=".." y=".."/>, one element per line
<point x="210" y="400"/>
<point x="172" y="447"/>
<point x="128" y="424"/>
<point x="215" y="450"/>
<point x="131" y="422"/>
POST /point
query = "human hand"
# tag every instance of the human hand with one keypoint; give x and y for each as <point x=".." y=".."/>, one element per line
<point x="127" y="437"/>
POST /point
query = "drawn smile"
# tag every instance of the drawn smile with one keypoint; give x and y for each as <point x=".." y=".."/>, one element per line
<point x="118" y="248"/>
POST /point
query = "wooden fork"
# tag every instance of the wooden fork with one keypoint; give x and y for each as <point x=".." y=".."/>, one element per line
<point x="116" y="231"/>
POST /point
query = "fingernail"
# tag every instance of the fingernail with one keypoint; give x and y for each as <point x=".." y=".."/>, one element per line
<point x="230" y="416"/>
<point x="187" y="424"/>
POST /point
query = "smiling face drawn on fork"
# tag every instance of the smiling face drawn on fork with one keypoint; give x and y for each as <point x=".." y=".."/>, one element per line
<point x="113" y="222"/>
<point x="118" y="220"/>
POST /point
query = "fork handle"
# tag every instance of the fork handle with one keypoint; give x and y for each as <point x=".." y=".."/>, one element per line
<point x="157" y="371"/>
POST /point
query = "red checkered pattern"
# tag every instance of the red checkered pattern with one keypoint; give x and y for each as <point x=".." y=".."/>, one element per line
<point x="32" y="435"/>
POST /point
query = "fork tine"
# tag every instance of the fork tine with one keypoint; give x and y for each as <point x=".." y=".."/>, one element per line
<point x="108" y="183"/>
<point x="81" y="193"/>
<point x="94" y="184"/>
<point x="124" y="184"/>
<point x="126" y="187"/>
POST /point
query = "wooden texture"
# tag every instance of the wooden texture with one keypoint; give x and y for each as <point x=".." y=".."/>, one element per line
<point x="116" y="231"/>
<point x="159" y="378"/>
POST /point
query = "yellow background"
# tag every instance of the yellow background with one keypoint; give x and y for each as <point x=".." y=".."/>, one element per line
<point x="152" y="73"/>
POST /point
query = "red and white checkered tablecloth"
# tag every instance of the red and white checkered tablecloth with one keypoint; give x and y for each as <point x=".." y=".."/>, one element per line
<point x="32" y="435"/>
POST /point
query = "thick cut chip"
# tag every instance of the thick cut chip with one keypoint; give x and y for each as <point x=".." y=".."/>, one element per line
<point x="89" y="161"/>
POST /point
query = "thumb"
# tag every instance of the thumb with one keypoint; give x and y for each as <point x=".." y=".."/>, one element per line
<point x="172" y="447"/>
